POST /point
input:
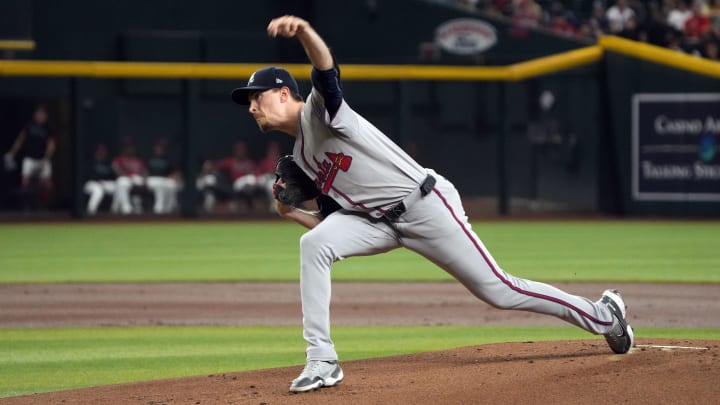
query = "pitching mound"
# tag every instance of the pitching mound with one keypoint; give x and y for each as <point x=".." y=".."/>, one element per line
<point x="657" y="371"/>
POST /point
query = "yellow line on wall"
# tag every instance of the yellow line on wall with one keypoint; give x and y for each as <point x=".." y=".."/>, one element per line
<point x="241" y="71"/>
<point x="17" y="44"/>
<point x="126" y="69"/>
<point x="100" y="69"/>
<point x="423" y="72"/>
<point x="555" y="63"/>
<point x="662" y="56"/>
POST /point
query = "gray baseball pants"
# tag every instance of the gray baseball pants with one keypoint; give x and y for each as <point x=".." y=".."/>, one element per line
<point x="435" y="226"/>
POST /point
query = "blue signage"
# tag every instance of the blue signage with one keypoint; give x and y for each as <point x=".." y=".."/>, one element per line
<point x="676" y="141"/>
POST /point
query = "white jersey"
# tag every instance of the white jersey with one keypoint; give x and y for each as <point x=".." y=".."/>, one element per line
<point x="351" y="160"/>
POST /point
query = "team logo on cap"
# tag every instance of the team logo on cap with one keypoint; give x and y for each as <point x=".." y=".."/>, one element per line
<point x="252" y="79"/>
<point x="278" y="80"/>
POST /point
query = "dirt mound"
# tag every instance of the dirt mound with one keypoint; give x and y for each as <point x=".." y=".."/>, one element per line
<point x="531" y="372"/>
<point x="527" y="373"/>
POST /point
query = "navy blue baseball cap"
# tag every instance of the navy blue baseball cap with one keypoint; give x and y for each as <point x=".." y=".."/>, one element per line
<point x="265" y="79"/>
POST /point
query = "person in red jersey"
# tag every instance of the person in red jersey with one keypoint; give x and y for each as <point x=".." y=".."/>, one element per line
<point x="233" y="175"/>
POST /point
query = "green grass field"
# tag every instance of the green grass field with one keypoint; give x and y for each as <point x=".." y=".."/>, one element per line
<point x="45" y="359"/>
<point x="547" y="251"/>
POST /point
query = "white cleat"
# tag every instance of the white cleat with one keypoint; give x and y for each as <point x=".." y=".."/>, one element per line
<point x="317" y="374"/>
<point x="620" y="338"/>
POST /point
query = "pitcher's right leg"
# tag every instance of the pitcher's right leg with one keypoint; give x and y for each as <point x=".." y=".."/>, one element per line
<point x="339" y="236"/>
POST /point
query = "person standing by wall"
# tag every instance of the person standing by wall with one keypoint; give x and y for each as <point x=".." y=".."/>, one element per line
<point x="37" y="143"/>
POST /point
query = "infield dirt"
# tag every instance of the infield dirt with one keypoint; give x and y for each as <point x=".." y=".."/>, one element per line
<point x="575" y="372"/>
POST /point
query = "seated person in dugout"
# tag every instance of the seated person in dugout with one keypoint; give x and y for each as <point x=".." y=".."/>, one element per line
<point x="233" y="176"/>
<point x="101" y="179"/>
<point x="163" y="179"/>
<point x="131" y="173"/>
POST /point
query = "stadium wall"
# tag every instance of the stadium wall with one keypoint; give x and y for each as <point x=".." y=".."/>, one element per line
<point x="560" y="142"/>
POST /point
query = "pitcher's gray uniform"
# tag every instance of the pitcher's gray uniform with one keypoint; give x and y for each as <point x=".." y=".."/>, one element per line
<point x="388" y="201"/>
<point x="365" y="172"/>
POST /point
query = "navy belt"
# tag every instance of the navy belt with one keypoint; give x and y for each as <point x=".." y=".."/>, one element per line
<point x="425" y="188"/>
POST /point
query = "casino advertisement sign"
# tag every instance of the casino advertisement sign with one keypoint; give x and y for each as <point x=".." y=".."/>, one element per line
<point x="676" y="147"/>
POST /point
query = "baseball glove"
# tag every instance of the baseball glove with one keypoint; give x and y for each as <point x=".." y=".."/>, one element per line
<point x="297" y="187"/>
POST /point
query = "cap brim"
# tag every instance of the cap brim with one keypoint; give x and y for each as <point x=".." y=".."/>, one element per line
<point x="240" y="95"/>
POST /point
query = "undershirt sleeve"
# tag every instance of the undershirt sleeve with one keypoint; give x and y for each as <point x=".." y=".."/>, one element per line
<point x="327" y="82"/>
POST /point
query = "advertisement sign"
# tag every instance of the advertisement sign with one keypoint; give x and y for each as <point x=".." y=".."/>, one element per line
<point x="465" y="36"/>
<point x="676" y="147"/>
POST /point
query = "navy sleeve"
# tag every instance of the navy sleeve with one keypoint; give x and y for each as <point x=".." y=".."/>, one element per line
<point x="327" y="82"/>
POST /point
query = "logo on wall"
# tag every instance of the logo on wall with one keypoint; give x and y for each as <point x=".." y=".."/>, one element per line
<point x="675" y="147"/>
<point x="465" y="36"/>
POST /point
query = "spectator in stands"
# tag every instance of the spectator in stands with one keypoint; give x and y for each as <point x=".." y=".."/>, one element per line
<point x="678" y="15"/>
<point x="617" y="16"/>
<point x="101" y="179"/>
<point x="697" y="25"/>
<point x="238" y="170"/>
<point x="598" y="23"/>
<point x="710" y="49"/>
<point x="163" y="178"/>
<point x="655" y="26"/>
<point x="674" y="42"/>
<point x="131" y="173"/>
<point x="490" y="7"/>
<point x="641" y="20"/>
<point x="641" y="9"/>
<point x="557" y="7"/>
<point x="560" y="24"/>
<point x="525" y="14"/>
<point x="632" y="31"/>
<point x="37" y="144"/>
<point x="714" y="29"/>
<point x="714" y="12"/>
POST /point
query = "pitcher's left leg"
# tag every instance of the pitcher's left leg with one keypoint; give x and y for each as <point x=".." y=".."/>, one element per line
<point x="438" y="229"/>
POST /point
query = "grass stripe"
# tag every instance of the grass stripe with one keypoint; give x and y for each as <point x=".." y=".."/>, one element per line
<point x="670" y="251"/>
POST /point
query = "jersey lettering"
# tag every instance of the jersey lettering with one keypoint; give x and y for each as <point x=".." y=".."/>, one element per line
<point x="328" y="170"/>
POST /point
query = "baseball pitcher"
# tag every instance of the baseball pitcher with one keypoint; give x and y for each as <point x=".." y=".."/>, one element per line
<point x="385" y="200"/>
